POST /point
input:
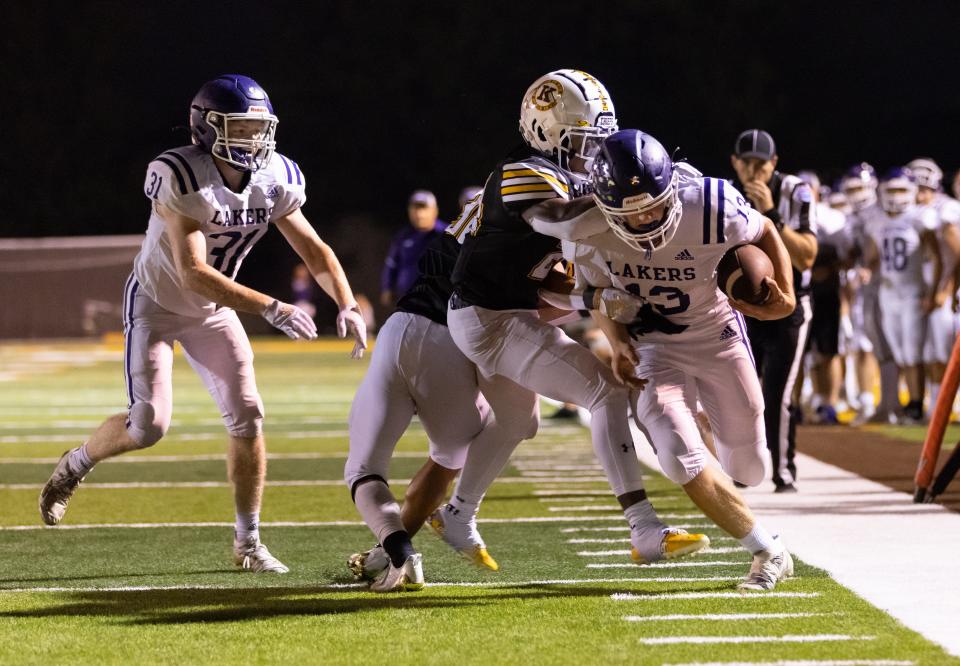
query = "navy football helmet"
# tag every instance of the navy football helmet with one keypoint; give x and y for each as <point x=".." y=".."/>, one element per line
<point x="898" y="190"/>
<point x="234" y="99"/>
<point x="632" y="175"/>
<point x="859" y="184"/>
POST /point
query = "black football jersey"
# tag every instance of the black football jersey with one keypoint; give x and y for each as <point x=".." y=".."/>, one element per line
<point x="503" y="260"/>
<point x="429" y="294"/>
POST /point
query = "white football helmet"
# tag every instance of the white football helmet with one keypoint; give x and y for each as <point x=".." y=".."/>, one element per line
<point x="859" y="185"/>
<point x="565" y="114"/>
<point x="898" y="190"/>
<point x="927" y="172"/>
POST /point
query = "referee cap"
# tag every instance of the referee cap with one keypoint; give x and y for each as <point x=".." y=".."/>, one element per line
<point x="755" y="143"/>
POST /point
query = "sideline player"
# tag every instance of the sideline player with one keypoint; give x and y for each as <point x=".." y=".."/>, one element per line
<point x="211" y="202"/>
<point x="898" y="237"/>
<point x="859" y="185"/>
<point x="669" y="228"/>
<point x="529" y="203"/>
<point x="778" y="345"/>
<point x="942" y="324"/>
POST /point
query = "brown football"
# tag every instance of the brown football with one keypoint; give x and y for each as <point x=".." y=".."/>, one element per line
<point x="741" y="271"/>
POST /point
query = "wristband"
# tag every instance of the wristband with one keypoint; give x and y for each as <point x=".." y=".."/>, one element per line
<point x="589" y="298"/>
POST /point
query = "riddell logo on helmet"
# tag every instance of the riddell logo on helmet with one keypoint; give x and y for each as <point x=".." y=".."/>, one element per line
<point x="546" y="96"/>
<point x="258" y="109"/>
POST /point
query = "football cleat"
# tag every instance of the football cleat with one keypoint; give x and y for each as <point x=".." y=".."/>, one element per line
<point x="369" y="564"/>
<point x="58" y="490"/>
<point x="406" y="578"/>
<point x="675" y="543"/>
<point x="766" y="570"/>
<point x="462" y="537"/>
<point x="251" y="555"/>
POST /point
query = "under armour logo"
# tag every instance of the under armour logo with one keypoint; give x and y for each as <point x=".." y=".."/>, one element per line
<point x="626" y="447"/>
<point x="635" y="180"/>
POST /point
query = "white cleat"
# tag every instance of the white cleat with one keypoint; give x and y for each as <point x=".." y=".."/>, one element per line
<point x="462" y="537"/>
<point x="58" y="490"/>
<point x="368" y="565"/>
<point x="251" y="555"/>
<point x="766" y="570"/>
<point x="406" y="578"/>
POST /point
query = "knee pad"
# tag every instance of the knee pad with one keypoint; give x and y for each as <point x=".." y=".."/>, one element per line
<point x="144" y="426"/>
<point x="248" y="420"/>
<point x="746" y="465"/>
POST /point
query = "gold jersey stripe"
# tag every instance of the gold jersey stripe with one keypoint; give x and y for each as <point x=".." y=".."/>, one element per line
<point x="533" y="172"/>
<point x="542" y="187"/>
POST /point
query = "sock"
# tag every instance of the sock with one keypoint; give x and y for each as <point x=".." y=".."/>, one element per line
<point x="378" y="508"/>
<point x="642" y="516"/>
<point x="398" y="547"/>
<point x="248" y="525"/>
<point x="759" y="539"/>
<point x="867" y="402"/>
<point x="79" y="461"/>
<point x="465" y="508"/>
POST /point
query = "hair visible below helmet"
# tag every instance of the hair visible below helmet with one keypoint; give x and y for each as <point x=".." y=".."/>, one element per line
<point x="565" y="114"/>
<point x="228" y="99"/>
<point x="898" y="190"/>
<point x="859" y="184"/>
<point x="632" y="174"/>
<point x="926" y="172"/>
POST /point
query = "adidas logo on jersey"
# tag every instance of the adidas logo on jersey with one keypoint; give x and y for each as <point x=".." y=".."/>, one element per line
<point x="728" y="333"/>
<point x="684" y="255"/>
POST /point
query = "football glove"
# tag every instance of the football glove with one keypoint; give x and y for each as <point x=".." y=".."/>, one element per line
<point x="291" y="320"/>
<point x="351" y="320"/>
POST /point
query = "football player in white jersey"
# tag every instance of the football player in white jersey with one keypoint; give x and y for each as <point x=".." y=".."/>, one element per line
<point x="669" y="228"/>
<point x="211" y="202"/>
<point x="867" y="343"/>
<point x="943" y="323"/>
<point x="530" y="201"/>
<point x="898" y="235"/>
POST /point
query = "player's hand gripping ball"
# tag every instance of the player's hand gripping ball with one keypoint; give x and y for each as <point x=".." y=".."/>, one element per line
<point x="741" y="274"/>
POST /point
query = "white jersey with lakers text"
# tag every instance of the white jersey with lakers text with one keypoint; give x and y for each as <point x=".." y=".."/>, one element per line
<point x="679" y="279"/>
<point x="898" y="242"/>
<point x="187" y="181"/>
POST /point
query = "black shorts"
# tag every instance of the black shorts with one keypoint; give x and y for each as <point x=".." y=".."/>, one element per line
<point x="825" y="326"/>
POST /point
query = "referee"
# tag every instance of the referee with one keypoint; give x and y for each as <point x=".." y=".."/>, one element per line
<point x="778" y="344"/>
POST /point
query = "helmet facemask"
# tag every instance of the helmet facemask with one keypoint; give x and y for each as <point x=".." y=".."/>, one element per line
<point x="896" y="196"/>
<point x="650" y="236"/>
<point x="239" y="147"/>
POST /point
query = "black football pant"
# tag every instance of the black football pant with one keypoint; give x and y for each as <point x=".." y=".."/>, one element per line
<point x="778" y="349"/>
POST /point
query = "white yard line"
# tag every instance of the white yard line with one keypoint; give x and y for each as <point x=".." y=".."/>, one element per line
<point x="124" y="485"/>
<point x="617" y="553"/>
<point x="685" y="564"/>
<point x="347" y="586"/>
<point x="624" y="528"/>
<point x="743" y="596"/>
<point x="309" y="523"/>
<point x="720" y="617"/>
<point x="205" y="457"/>
<point x="788" y="638"/>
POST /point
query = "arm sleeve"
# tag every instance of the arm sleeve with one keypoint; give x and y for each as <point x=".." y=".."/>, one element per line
<point x="803" y="210"/>
<point x="588" y="223"/>
<point x="589" y="269"/>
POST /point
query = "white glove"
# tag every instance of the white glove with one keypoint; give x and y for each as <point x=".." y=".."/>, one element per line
<point x="614" y="303"/>
<point x="291" y="320"/>
<point x="351" y="319"/>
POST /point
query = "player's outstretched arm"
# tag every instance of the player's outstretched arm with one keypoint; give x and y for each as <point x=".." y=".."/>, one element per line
<point x="782" y="300"/>
<point x="323" y="264"/>
<point x="190" y="255"/>
<point x="566" y="219"/>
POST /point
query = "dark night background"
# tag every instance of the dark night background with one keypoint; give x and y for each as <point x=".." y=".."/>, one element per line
<point x="376" y="99"/>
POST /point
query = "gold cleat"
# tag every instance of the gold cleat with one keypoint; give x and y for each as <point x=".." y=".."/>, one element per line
<point x="676" y="543"/>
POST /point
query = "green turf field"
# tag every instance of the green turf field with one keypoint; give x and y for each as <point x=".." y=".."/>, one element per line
<point x="141" y="571"/>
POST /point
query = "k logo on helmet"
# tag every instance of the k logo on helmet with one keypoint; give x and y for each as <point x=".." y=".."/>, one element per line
<point x="547" y="95"/>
